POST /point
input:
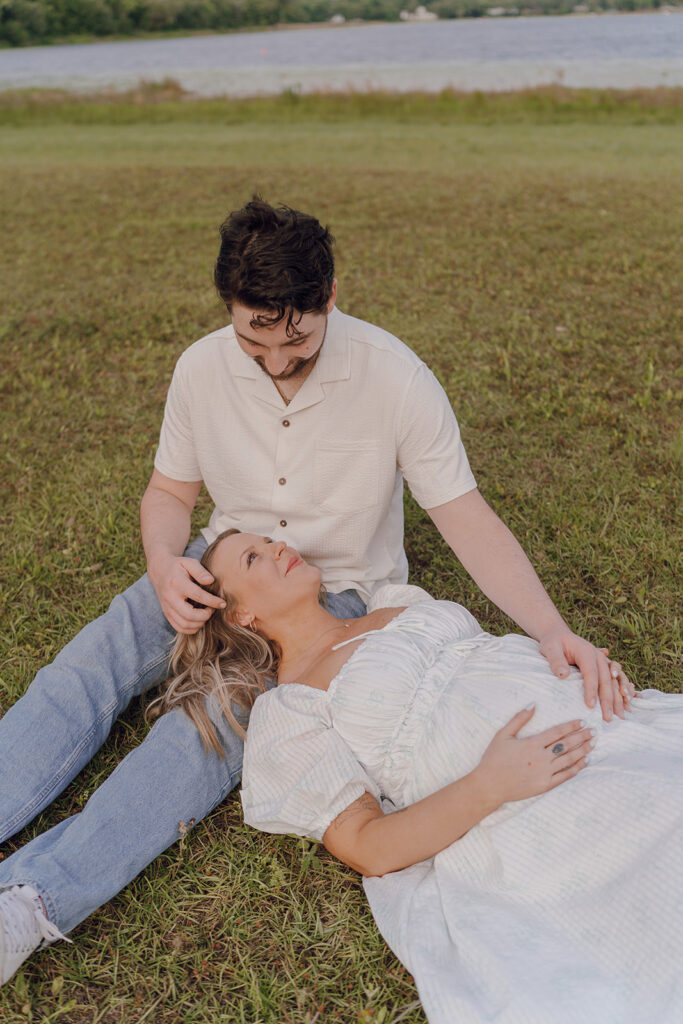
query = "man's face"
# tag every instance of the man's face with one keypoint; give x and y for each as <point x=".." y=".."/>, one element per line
<point x="280" y="355"/>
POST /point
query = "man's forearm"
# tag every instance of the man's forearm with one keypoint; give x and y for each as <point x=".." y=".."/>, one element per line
<point x="496" y="562"/>
<point x="165" y="527"/>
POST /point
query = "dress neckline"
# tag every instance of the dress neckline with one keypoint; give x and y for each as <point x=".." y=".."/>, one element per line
<point x="361" y="636"/>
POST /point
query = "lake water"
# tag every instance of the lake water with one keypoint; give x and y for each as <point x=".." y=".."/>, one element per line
<point x="620" y="51"/>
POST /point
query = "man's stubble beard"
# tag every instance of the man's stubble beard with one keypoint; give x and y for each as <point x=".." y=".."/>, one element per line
<point x="298" y="366"/>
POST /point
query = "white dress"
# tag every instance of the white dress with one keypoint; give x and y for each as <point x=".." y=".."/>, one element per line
<point x="566" y="908"/>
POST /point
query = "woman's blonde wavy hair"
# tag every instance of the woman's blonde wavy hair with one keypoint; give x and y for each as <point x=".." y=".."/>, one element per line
<point x="223" y="664"/>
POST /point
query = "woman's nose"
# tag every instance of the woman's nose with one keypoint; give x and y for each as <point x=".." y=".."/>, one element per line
<point x="280" y="549"/>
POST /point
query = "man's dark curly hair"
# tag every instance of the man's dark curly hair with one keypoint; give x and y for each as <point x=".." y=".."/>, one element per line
<point x="277" y="260"/>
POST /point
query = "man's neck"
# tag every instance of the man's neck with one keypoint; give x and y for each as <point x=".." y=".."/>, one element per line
<point x="289" y="386"/>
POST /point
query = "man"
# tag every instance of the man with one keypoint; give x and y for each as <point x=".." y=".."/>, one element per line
<point x="302" y="424"/>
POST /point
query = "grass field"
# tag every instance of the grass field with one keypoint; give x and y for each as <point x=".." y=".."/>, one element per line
<point x="528" y="248"/>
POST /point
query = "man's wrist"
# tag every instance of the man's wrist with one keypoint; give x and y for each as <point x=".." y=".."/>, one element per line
<point x="158" y="560"/>
<point x="553" y="626"/>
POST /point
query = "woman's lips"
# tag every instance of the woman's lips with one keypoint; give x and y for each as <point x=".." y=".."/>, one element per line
<point x="292" y="563"/>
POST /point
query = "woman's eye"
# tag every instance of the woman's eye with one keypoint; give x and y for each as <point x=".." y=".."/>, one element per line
<point x="250" y="558"/>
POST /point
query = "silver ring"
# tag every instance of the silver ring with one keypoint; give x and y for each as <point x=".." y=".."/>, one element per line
<point x="558" y="748"/>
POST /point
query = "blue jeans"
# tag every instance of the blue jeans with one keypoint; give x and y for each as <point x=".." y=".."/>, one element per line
<point x="65" y="717"/>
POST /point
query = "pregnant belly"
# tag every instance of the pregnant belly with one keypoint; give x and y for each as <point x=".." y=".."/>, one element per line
<point x="477" y="695"/>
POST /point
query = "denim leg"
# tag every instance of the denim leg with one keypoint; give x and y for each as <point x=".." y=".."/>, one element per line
<point x="134" y="815"/>
<point x="347" y="605"/>
<point x="68" y="710"/>
<point x="85" y="860"/>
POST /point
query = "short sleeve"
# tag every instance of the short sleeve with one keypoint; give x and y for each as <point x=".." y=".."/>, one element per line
<point x="398" y="595"/>
<point x="298" y="773"/>
<point x="176" y="455"/>
<point x="431" y="454"/>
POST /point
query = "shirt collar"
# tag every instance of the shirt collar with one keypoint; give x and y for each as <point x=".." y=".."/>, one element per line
<point x="334" y="361"/>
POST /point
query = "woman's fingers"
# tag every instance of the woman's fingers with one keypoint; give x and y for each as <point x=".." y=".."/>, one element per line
<point x="571" y="742"/>
<point x="563" y="762"/>
<point x="568" y="773"/>
<point x="512" y="727"/>
<point x="557" y="733"/>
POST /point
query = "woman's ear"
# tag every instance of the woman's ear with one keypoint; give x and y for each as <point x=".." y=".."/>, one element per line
<point x="242" y="618"/>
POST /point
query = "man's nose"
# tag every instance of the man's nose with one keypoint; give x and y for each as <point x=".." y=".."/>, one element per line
<point x="276" y="362"/>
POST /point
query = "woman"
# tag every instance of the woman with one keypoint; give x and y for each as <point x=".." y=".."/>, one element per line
<point x="505" y="907"/>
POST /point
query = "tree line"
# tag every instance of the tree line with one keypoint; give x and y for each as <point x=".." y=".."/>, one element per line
<point x="28" y="22"/>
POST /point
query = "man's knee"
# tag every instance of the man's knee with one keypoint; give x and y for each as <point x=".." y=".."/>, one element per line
<point x="176" y="731"/>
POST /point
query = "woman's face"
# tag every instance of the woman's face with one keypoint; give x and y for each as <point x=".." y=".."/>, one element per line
<point x="265" y="576"/>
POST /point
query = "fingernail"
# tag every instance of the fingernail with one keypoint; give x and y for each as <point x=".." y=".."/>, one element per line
<point x="583" y="723"/>
<point x="593" y="733"/>
<point x="529" y="707"/>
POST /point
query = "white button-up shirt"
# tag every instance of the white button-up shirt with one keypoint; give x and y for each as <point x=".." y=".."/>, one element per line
<point x="324" y="473"/>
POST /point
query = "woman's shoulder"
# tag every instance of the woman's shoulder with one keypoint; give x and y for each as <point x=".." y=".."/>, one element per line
<point x="440" y="619"/>
<point x="287" y="701"/>
<point x="397" y="595"/>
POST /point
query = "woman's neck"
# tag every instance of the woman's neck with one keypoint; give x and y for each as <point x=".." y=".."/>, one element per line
<point x="303" y="635"/>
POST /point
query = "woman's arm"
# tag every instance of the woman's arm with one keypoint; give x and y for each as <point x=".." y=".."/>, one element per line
<point x="511" y="769"/>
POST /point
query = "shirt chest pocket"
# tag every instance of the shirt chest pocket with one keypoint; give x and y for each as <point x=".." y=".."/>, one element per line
<point x="346" y="476"/>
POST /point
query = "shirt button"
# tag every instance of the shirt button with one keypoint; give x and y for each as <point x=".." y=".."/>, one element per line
<point x="282" y="481"/>
<point x="285" y="423"/>
<point x="283" y="522"/>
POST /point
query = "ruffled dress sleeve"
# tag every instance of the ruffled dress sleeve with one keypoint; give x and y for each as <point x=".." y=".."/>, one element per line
<point x="298" y="773"/>
<point x="396" y="595"/>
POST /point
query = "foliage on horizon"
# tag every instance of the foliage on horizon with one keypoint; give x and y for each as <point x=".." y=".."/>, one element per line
<point x="27" y="22"/>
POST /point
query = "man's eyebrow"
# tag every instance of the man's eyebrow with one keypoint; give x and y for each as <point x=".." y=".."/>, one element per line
<point x="292" y="341"/>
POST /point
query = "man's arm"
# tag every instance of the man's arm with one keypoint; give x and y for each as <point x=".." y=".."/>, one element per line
<point x="496" y="562"/>
<point x="165" y="513"/>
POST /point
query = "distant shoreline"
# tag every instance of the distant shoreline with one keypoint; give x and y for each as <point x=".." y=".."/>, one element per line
<point x="87" y="40"/>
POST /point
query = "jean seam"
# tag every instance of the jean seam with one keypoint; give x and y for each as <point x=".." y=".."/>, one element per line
<point x="64" y="768"/>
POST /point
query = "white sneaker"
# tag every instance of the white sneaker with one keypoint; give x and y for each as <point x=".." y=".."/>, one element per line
<point x="23" y="928"/>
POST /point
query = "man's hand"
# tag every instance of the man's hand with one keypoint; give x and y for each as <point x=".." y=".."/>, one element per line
<point x="165" y="522"/>
<point x="174" y="583"/>
<point x="602" y="679"/>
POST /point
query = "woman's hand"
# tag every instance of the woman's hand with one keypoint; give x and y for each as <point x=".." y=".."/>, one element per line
<point x="514" y="769"/>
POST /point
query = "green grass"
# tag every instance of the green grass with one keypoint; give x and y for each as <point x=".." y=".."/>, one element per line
<point x="534" y="260"/>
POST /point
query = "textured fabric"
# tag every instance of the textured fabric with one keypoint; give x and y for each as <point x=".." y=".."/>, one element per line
<point x="566" y="908"/>
<point x="324" y="473"/>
